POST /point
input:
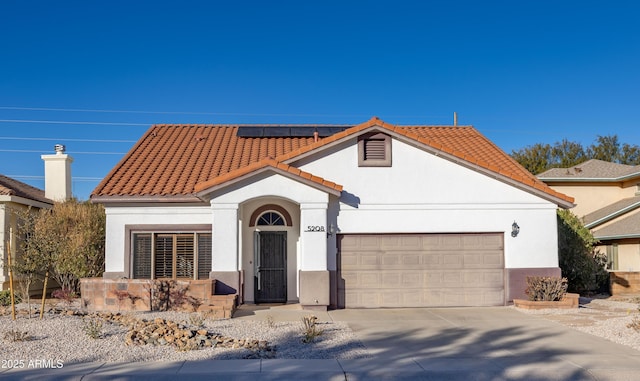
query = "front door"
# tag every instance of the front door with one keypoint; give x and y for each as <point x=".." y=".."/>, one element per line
<point x="271" y="267"/>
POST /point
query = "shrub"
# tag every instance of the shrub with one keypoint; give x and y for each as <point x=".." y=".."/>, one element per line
<point x="546" y="288"/>
<point x="580" y="262"/>
<point x="309" y="329"/>
<point x="5" y="298"/>
<point x="65" y="294"/>
<point x="17" y="335"/>
<point x="92" y="327"/>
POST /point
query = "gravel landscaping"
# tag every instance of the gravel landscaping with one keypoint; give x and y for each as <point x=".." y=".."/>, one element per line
<point x="61" y="337"/>
<point x="607" y="318"/>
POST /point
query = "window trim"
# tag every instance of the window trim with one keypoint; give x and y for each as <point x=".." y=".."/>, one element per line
<point x="156" y="228"/>
<point x="362" y="157"/>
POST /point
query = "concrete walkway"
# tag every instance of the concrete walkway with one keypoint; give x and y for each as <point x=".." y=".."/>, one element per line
<point x="406" y="344"/>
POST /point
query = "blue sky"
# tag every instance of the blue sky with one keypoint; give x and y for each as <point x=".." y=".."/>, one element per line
<point x="521" y="72"/>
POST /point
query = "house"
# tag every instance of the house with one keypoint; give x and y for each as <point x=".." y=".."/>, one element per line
<point x="607" y="197"/>
<point x="371" y="215"/>
<point x="16" y="196"/>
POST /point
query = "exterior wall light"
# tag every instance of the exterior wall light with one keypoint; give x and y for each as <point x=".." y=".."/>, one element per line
<point x="331" y="231"/>
<point x="515" y="229"/>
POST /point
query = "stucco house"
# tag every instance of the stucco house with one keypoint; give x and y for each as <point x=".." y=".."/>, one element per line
<point x="607" y="197"/>
<point x="371" y="215"/>
<point x="16" y="196"/>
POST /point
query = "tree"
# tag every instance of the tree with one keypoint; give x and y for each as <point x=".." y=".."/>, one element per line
<point x="68" y="242"/>
<point x="541" y="157"/>
<point x="536" y="158"/>
<point x="580" y="262"/>
<point x="606" y="149"/>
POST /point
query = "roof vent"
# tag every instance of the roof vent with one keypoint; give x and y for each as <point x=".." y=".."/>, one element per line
<point x="59" y="148"/>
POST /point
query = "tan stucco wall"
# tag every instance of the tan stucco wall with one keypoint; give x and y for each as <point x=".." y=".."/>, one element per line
<point x="591" y="197"/>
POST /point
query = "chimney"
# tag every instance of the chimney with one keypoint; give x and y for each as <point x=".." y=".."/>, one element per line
<point x="57" y="175"/>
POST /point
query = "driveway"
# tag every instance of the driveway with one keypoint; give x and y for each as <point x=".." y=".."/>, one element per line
<point x="489" y="343"/>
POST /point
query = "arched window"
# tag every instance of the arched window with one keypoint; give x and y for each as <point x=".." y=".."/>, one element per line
<point x="270" y="219"/>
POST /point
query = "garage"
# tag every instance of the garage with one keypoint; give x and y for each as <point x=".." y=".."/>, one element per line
<point x="420" y="270"/>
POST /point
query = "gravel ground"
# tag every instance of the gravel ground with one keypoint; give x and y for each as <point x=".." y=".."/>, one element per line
<point x="607" y="318"/>
<point x="60" y="337"/>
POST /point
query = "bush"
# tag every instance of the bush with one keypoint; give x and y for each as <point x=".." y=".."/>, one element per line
<point x="546" y="288"/>
<point x="5" y="298"/>
<point x="309" y="329"/>
<point x="580" y="263"/>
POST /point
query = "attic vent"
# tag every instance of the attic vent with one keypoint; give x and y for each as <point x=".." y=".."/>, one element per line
<point x="374" y="150"/>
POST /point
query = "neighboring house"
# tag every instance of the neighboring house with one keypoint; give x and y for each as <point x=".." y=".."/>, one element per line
<point x="372" y="215"/>
<point x="16" y="196"/>
<point x="607" y="197"/>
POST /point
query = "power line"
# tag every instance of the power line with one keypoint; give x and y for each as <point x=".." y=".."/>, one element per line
<point x="73" y="178"/>
<point x="68" y="139"/>
<point x="207" y="113"/>
<point x="72" y="122"/>
<point x="70" y="152"/>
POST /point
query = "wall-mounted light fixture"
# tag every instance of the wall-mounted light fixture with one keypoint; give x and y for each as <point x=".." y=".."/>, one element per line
<point x="331" y="231"/>
<point x="515" y="229"/>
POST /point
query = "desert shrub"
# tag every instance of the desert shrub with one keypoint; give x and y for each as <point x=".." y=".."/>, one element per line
<point x="310" y="329"/>
<point x="196" y="320"/>
<point x="580" y="262"/>
<point x="546" y="288"/>
<point x="5" y="298"/>
<point x="92" y="327"/>
<point x="17" y="335"/>
<point x="65" y="294"/>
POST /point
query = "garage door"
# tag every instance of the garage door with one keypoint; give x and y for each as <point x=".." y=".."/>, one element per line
<point x="420" y="270"/>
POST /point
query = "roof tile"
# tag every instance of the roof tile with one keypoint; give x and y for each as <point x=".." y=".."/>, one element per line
<point x="182" y="159"/>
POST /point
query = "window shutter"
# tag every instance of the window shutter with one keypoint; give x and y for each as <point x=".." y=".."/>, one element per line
<point x="164" y="256"/>
<point x="185" y="255"/>
<point x="142" y="256"/>
<point x="204" y="255"/>
<point x="374" y="149"/>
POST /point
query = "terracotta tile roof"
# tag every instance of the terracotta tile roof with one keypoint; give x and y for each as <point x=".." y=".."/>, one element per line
<point x="13" y="187"/>
<point x="590" y="170"/>
<point x="179" y="160"/>
<point x="268" y="163"/>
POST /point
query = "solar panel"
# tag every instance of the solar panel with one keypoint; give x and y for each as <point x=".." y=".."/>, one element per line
<point x="250" y="132"/>
<point x="302" y="131"/>
<point x="287" y="131"/>
<point x="276" y="132"/>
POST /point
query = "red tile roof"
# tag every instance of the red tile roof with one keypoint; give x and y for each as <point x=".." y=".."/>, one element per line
<point x="179" y="160"/>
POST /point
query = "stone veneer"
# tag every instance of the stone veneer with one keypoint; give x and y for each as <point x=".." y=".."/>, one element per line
<point x="120" y="295"/>
<point x="624" y="282"/>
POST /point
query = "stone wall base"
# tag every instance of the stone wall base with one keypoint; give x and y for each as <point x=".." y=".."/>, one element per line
<point x="624" y="282"/>
<point x="121" y="295"/>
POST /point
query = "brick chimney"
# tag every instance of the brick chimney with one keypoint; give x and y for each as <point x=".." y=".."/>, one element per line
<point x="57" y="175"/>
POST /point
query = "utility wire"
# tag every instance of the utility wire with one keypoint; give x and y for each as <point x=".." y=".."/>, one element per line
<point x="70" y="152"/>
<point x="69" y="122"/>
<point x="68" y="140"/>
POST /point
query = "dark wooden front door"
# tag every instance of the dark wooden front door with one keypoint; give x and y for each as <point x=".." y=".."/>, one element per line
<point x="271" y="267"/>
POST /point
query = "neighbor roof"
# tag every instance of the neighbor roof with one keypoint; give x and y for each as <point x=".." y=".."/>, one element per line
<point x="174" y="162"/>
<point x="611" y="211"/>
<point x="592" y="170"/>
<point x="13" y="187"/>
<point x="628" y="227"/>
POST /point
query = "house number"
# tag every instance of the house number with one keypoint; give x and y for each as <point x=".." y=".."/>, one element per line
<point x="315" y="228"/>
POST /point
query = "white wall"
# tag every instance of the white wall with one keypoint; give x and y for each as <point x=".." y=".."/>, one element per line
<point x="424" y="193"/>
<point x="118" y="217"/>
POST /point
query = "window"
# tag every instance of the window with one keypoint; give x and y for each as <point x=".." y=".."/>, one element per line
<point x="612" y="257"/>
<point x="171" y="255"/>
<point x="270" y="219"/>
<point x="374" y="150"/>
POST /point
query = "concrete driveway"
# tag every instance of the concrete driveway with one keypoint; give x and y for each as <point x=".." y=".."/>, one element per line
<point x="492" y="343"/>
